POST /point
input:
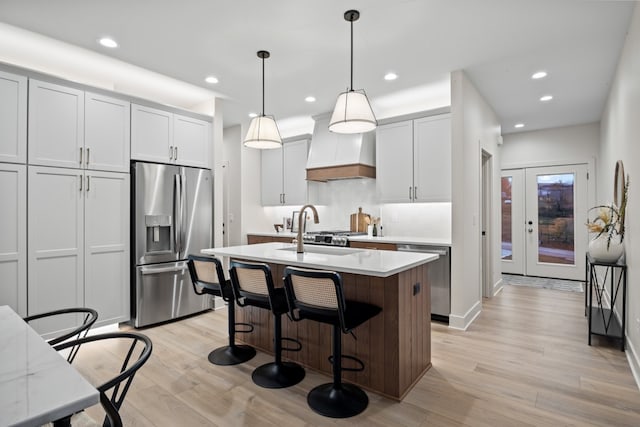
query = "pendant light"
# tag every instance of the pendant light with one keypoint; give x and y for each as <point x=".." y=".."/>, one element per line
<point x="263" y="132"/>
<point x="352" y="113"/>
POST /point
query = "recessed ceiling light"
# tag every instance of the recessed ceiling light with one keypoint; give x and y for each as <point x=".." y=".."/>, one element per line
<point x="539" y="75"/>
<point x="211" y="79"/>
<point x="518" y="125"/>
<point x="252" y="115"/>
<point x="546" y="98"/>
<point x="390" y="76"/>
<point x="108" y="42"/>
<point x="310" y="99"/>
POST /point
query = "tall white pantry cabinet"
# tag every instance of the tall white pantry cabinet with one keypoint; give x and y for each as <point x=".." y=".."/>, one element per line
<point x="13" y="192"/>
<point x="77" y="215"/>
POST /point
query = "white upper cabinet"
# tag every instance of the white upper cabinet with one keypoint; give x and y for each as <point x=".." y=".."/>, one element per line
<point x="394" y="158"/>
<point x="13" y="118"/>
<point x="414" y="160"/>
<point x="295" y="172"/>
<point x="151" y="134"/>
<point x="106" y="133"/>
<point x="56" y="125"/>
<point x="271" y="179"/>
<point x="432" y="159"/>
<point x="191" y="141"/>
<point x="163" y="137"/>
<point x="13" y="240"/>
<point x="283" y="174"/>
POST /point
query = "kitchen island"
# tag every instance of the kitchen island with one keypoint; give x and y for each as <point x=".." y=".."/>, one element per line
<point x="395" y="346"/>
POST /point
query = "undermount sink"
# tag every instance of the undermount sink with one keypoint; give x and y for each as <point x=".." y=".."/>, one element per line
<point x="327" y="250"/>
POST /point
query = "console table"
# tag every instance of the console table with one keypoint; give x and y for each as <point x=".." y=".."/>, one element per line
<point x="601" y="317"/>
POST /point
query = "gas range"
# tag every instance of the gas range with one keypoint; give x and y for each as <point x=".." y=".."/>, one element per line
<point x="329" y="238"/>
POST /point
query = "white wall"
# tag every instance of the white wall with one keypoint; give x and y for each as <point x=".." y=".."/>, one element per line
<point x="475" y="127"/>
<point x="231" y="175"/>
<point x="620" y="134"/>
<point x="565" y="145"/>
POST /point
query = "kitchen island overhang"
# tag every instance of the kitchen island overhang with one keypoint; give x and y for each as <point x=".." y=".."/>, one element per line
<point x="395" y="346"/>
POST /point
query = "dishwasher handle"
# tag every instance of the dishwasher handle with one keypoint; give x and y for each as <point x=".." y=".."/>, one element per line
<point x="423" y="249"/>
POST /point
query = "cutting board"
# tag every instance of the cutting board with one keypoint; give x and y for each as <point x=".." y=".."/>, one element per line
<point x="359" y="221"/>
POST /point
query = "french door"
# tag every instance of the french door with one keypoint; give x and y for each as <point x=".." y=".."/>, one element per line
<point x="543" y="215"/>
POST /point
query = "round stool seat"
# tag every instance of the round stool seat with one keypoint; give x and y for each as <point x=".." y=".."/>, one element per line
<point x="337" y="401"/>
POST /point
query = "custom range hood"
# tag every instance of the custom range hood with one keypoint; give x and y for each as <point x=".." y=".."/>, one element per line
<point x="340" y="156"/>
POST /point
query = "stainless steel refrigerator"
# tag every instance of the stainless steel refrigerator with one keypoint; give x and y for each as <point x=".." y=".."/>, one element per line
<point x="171" y="218"/>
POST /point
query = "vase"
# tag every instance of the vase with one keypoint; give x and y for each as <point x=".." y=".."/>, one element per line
<point x="599" y="252"/>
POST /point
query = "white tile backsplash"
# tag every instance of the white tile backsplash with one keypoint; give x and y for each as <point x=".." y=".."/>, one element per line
<point x="337" y="200"/>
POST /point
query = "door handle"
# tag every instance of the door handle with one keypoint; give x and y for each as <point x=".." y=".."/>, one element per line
<point x="170" y="152"/>
<point x="88" y="153"/>
<point x="80" y="156"/>
<point x="415" y="193"/>
<point x="81" y="181"/>
<point x="88" y="183"/>
<point x="530" y="230"/>
<point x="175" y="153"/>
<point x="410" y="198"/>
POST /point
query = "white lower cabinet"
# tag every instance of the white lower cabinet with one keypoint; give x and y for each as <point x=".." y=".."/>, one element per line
<point x="13" y="237"/>
<point x="78" y="242"/>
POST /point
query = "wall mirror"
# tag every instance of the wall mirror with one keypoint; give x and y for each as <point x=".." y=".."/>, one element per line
<point x="618" y="183"/>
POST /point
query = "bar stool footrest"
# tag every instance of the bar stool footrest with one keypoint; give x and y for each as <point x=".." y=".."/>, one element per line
<point x="342" y="401"/>
<point x="292" y="340"/>
<point x="248" y="326"/>
<point x="359" y="362"/>
<point x="231" y="355"/>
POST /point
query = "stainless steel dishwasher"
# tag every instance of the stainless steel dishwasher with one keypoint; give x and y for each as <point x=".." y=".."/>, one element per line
<point x="439" y="272"/>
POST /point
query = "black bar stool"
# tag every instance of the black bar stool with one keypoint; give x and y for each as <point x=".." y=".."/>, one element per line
<point x="317" y="295"/>
<point x="207" y="277"/>
<point x="253" y="285"/>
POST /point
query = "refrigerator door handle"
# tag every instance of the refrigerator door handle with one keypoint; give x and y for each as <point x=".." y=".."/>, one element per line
<point x="183" y="214"/>
<point x="158" y="270"/>
<point x="177" y="214"/>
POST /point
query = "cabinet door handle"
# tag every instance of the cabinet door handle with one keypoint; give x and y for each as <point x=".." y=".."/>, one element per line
<point x="80" y="155"/>
<point x="415" y="193"/>
<point x="410" y="198"/>
<point x="88" y="183"/>
<point x="283" y="198"/>
<point x="175" y="154"/>
<point x="170" y="153"/>
<point x="81" y="181"/>
<point x="88" y="153"/>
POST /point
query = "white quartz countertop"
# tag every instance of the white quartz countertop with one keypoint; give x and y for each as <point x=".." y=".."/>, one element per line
<point x="346" y="260"/>
<point x="399" y="240"/>
<point x="37" y="385"/>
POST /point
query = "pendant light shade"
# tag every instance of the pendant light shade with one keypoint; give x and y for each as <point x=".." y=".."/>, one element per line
<point x="263" y="131"/>
<point x="352" y="113"/>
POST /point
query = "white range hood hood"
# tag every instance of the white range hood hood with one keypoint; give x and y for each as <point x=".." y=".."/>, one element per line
<point x="338" y="156"/>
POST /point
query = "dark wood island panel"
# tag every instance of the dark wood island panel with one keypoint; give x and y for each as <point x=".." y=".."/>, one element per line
<point x="395" y="346"/>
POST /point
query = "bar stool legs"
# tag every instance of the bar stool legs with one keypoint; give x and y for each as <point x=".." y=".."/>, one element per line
<point x="278" y="374"/>
<point x="337" y="399"/>
<point x="232" y="354"/>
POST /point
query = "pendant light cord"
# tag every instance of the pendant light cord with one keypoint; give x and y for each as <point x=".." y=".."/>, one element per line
<point x="351" y="88"/>
<point x="263" y="86"/>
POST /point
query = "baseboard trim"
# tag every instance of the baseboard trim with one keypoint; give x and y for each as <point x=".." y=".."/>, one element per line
<point x="634" y="361"/>
<point x="463" y="322"/>
<point x="497" y="287"/>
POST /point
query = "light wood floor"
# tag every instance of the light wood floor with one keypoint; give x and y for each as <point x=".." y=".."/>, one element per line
<point x="525" y="361"/>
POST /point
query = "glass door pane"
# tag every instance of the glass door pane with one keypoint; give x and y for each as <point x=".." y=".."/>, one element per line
<point x="507" y="242"/>
<point x="556" y="218"/>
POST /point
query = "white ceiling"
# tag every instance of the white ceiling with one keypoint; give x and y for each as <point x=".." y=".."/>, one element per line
<point x="499" y="43"/>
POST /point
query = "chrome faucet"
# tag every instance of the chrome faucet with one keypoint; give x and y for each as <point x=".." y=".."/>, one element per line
<point x="300" y="247"/>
